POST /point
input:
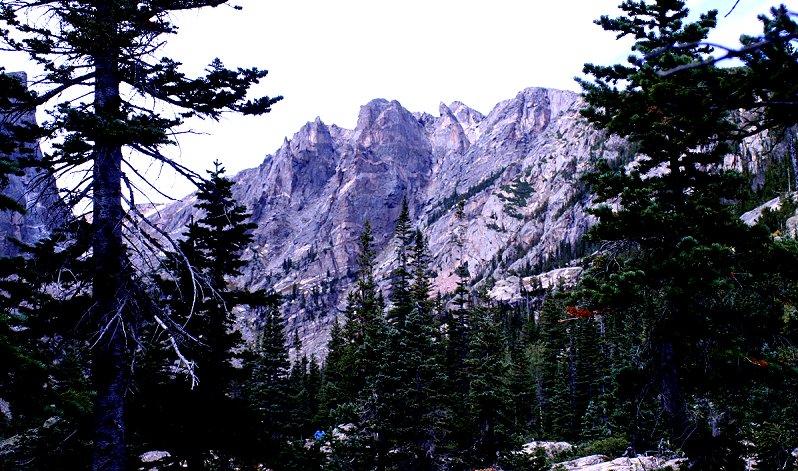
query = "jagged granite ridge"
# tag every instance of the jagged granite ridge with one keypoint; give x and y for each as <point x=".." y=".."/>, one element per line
<point x="516" y="168"/>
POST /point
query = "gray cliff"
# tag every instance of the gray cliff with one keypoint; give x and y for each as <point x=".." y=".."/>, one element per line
<point x="35" y="191"/>
<point x="516" y="169"/>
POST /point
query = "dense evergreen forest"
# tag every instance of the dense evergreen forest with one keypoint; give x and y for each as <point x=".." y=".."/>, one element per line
<point x="118" y="343"/>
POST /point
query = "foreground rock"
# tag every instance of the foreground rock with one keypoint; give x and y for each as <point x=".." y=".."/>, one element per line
<point x="604" y="463"/>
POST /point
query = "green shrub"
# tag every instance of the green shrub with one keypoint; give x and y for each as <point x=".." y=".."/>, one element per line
<point x="611" y="446"/>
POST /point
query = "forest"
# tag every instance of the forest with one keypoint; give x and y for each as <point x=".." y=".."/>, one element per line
<point x="118" y="343"/>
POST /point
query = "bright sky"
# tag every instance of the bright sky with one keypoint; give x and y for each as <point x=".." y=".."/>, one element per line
<point x="327" y="58"/>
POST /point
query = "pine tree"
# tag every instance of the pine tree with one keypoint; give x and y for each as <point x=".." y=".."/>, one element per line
<point x="110" y="52"/>
<point x="196" y="289"/>
<point x="677" y="220"/>
<point x="488" y="403"/>
<point x="401" y="276"/>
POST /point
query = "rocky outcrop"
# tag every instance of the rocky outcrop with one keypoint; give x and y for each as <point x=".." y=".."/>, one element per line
<point x="603" y="463"/>
<point x="34" y="190"/>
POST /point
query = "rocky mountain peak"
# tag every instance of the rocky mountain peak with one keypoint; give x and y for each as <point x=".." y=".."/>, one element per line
<point x="448" y="136"/>
<point x="382" y="125"/>
<point x="516" y="170"/>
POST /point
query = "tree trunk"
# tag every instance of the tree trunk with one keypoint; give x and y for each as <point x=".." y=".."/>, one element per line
<point x="109" y="359"/>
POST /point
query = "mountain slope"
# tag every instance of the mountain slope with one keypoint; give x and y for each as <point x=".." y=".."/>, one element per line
<point x="516" y="170"/>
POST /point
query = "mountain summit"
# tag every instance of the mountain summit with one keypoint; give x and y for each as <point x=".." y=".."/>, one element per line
<point x="516" y="171"/>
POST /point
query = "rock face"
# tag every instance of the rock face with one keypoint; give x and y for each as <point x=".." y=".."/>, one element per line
<point x="34" y="190"/>
<point x="516" y="171"/>
<point x="603" y="463"/>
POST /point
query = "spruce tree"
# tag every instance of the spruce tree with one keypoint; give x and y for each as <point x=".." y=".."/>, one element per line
<point x="354" y="385"/>
<point x="110" y="53"/>
<point x="400" y="275"/>
<point x="488" y="403"/>
<point x="267" y="390"/>
<point x="414" y="366"/>
<point x="196" y="287"/>
<point x="676" y="217"/>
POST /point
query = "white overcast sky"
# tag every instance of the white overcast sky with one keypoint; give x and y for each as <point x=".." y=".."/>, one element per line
<point x="327" y="58"/>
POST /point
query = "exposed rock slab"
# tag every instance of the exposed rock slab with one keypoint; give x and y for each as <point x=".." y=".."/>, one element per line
<point x="35" y="191"/>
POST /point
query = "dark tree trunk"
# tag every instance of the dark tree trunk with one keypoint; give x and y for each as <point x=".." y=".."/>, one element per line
<point x="670" y="392"/>
<point x="109" y="359"/>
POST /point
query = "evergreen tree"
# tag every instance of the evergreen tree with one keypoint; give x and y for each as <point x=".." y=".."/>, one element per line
<point x="267" y="390"/>
<point x="421" y="286"/>
<point x="401" y="276"/>
<point x="196" y="290"/>
<point x="414" y="404"/>
<point x="488" y="403"/>
<point x="305" y="389"/>
<point x="111" y="49"/>
<point x="677" y="214"/>
<point x="353" y="348"/>
<point x="353" y="389"/>
<point x="45" y="392"/>
<point x="336" y="375"/>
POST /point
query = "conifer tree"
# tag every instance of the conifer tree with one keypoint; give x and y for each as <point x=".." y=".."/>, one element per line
<point x="488" y="403"/>
<point x="354" y="388"/>
<point x="335" y="375"/>
<point x="267" y="390"/>
<point x="305" y="389"/>
<point x="196" y="287"/>
<point x="45" y="392"/>
<point x="677" y="214"/>
<point x="108" y="54"/>
<point x="401" y="276"/>
<point x="415" y="403"/>
<point x="421" y="286"/>
<point x="364" y="318"/>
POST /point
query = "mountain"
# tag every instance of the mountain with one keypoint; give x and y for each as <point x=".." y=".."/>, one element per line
<point x="516" y="169"/>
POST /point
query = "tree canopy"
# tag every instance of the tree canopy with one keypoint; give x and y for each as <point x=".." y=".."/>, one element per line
<point x="103" y="83"/>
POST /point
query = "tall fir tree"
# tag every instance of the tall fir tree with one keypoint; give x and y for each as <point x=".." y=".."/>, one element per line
<point x="488" y="404"/>
<point x="677" y="211"/>
<point x="354" y="389"/>
<point x="267" y="390"/>
<point x="401" y="275"/>
<point x="415" y="405"/>
<point x="108" y="54"/>
<point x="198" y="294"/>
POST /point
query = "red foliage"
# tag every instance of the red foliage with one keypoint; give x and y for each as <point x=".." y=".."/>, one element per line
<point x="575" y="313"/>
